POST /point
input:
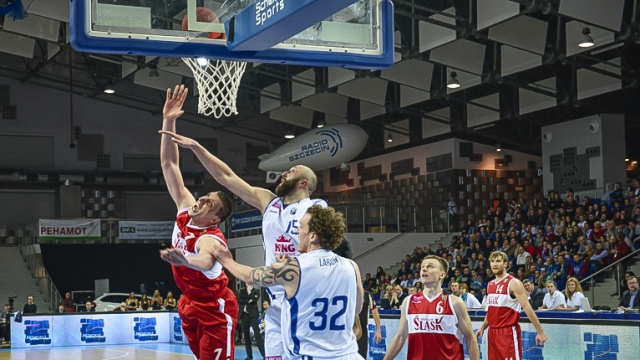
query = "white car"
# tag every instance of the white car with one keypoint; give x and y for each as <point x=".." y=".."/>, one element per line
<point x="110" y="301"/>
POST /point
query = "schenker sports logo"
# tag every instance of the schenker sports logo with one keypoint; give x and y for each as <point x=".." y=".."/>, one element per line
<point x="330" y="140"/>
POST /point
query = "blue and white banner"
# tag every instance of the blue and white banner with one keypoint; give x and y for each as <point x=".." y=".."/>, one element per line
<point x="565" y="341"/>
<point x="145" y="230"/>
<point x="91" y="329"/>
<point x="246" y="220"/>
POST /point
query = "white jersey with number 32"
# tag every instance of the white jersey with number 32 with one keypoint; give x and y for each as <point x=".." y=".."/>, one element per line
<point x="318" y="320"/>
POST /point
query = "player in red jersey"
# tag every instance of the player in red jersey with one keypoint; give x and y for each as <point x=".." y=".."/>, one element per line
<point x="433" y="321"/>
<point x="208" y="308"/>
<point x="506" y="297"/>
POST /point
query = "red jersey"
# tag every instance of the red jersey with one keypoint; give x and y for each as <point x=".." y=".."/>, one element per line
<point x="196" y="285"/>
<point x="433" y="328"/>
<point x="503" y="310"/>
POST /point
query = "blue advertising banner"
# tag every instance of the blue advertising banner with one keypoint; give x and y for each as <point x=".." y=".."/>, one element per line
<point x="246" y="220"/>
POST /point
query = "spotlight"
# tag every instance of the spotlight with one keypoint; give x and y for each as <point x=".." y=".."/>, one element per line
<point x="108" y="89"/>
<point x="289" y="134"/>
<point x="586" y="40"/>
<point x="453" y="82"/>
<point x="321" y="123"/>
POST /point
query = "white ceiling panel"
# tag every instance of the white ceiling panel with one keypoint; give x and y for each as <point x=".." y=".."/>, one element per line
<point x="478" y="115"/>
<point x="461" y="54"/>
<point x="369" y="110"/>
<point x="270" y="98"/>
<point x="434" y="128"/>
<point x="410" y="96"/>
<point x="514" y="60"/>
<point x="295" y="115"/>
<point x="333" y="104"/>
<point x="36" y="26"/>
<point x="163" y="82"/>
<point x="398" y="139"/>
<point x="522" y="32"/>
<point x="604" y="13"/>
<point x="339" y="76"/>
<point x="530" y="101"/>
<point x="53" y="9"/>
<point x="490" y="12"/>
<point x="373" y="90"/>
<point x="591" y="83"/>
<point x="466" y="80"/>
<point x="414" y="73"/>
<point x="16" y="45"/>
<point x="573" y="32"/>
<point x="430" y="36"/>
<point x="304" y="85"/>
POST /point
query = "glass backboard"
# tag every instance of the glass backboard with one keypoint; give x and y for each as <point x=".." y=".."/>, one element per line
<point x="358" y="36"/>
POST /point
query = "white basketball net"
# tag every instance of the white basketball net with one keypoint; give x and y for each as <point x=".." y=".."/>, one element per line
<point x="218" y="82"/>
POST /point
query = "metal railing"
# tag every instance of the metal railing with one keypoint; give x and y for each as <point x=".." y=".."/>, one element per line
<point x="33" y="259"/>
<point x="591" y="278"/>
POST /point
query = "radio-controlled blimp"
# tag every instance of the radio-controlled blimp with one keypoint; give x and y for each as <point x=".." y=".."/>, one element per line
<point x="319" y="149"/>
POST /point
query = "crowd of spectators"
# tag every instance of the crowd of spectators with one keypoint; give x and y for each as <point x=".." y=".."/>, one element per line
<point x="553" y="240"/>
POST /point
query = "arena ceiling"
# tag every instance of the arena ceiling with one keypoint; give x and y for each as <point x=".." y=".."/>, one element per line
<point x="517" y="61"/>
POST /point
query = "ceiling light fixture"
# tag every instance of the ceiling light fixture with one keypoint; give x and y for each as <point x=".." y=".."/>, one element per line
<point x="498" y="147"/>
<point x="289" y="134"/>
<point x="108" y="89"/>
<point x="321" y="123"/>
<point x="389" y="137"/>
<point x="453" y="82"/>
<point x="586" y="40"/>
<point x="202" y="61"/>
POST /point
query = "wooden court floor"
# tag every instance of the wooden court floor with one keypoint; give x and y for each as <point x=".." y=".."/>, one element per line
<point x="124" y="352"/>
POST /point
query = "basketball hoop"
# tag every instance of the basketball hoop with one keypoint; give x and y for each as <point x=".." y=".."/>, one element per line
<point x="218" y="82"/>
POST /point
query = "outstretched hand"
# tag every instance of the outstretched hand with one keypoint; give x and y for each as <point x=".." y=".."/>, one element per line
<point x="182" y="141"/>
<point x="174" y="257"/>
<point x="173" y="105"/>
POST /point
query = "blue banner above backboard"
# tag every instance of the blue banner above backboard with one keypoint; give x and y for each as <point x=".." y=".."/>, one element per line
<point x="266" y="23"/>
<point x="246" y="220"/>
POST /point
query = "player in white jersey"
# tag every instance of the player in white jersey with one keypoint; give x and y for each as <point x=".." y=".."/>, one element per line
<point x="281" y="211"/>
<point x="323" y="290"/>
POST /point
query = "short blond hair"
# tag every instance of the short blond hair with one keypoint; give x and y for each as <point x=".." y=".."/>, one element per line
<point x="443" y="263"/>
<point x="499" y="254"/>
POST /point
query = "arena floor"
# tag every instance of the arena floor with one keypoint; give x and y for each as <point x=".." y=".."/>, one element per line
<point x="124" y="352"/>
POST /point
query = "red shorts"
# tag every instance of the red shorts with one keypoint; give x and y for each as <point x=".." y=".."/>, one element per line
<point x="210" y="326"/>
<point x="505" y="343"/>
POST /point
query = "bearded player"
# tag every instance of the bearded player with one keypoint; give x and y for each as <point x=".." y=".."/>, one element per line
<point x="434" y="322"/>
<point x="506" y="297"/>
<point x="281" y="214"/>
<point x="208" y="308"/>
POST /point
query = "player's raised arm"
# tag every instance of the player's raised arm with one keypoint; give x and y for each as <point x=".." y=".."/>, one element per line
<point x="203" y="261"/>
<point x="222" y="173"/>
<point x="169" y="157"/>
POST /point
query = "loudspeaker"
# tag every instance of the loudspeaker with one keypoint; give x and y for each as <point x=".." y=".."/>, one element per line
<point x="273" y="176"/>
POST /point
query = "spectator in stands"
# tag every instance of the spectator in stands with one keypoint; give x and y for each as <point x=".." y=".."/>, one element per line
<point x="578" y="267"/>
<point x="521" y="258"/>
<point x="554" y="299"/>
<point x="121" y="308"/>
<point x="411" y="290"/>
<point x="387" y="295"/>
<point x="469" y="299"/>
<point x="145" y="303"/>
<point x="606" y="197"/>
<point x="630" y="299"/>
<point x="542" y="278"/>
<point x="559" y="269"/>
<point x="597" y="232"/>
<point x="617" y="195"/>
<point x="368" y="282"/>
<point x="30" y="307"/>
<point x="380" y="272"/>
<point x="535" y="294"/>
<point x="88" y="307"/>
<point x="452" y="210"/>
<point x="156" y="300"/>
<point x="465" y="277"/>
<point x="5" y="317"/>
<point x="60" y="308"/>
<point x="397" y="297"/>
<point x="573" y="294"/>
<point x="439" y="249"/>
<point x="394" y="279"/>
<point x="618" y="248"/>
<point x="69" y="306"/>
<point x="406" y="279"/>
<point x="419" y="286"/>
<point x="170" y="302"/>
<point x="132" y="302"/>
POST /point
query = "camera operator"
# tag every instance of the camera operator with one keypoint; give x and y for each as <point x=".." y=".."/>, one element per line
<point x="5" y="320"/>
